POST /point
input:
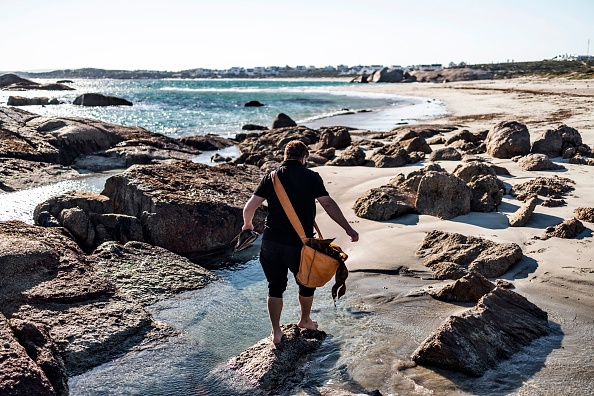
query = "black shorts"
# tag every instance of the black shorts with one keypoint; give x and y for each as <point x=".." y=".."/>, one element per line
<point x="277" y="260"/>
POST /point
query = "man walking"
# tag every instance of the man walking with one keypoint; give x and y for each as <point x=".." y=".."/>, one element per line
<point x="281" y="246"/>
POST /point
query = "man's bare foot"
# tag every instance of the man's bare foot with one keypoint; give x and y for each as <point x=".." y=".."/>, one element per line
<point x="276" y="336"/>
<point x="308" y="324"/>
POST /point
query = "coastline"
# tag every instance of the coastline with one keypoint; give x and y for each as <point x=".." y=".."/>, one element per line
<point x="556" y="274"/>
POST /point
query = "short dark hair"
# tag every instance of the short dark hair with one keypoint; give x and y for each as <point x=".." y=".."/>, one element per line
<point x="296" y="149"/>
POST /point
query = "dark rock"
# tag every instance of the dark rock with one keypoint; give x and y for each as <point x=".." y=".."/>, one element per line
<point x="579" y="160"/>
<point x="186" y="207"/>
<point x="470" y="288"/>
<point x="22" y="101"/>
<point x="21" y="376"/>
<point x="477" y="254"/>
<point x="351" y="156"/>
<point x="416" y="144"/>
<point x="65" y="82"/>
<point x="336" y="137"/>
<point x="445" y="154"/>
<point x="570" y="136"/>
<point x="508" y="139"/>
<point x="283" y="121"/>
<point x="568" y="229"/>
<point x="584" y="214"/>
<point x="466" y="136"/>
<point x="487" y="189"/>
<point x="12" y="82"/>
<point x="523" y="214"/>
<point x="538" y="162"/>
<point x="206" y="143"/>
<point x="254" y="127"/>
<point x="390" y="156"/>
<point x="40" y="347"/>
<point x="148" y="274"/>
<point x="550" y="143"/>
<point x="387" y="75"/>
<point x="253" y="103"/>
<point x="443" y="195"/>
<point x="19" y="174"/>
<point x="96" y="99"/>
<point x="501" y="324"/>
<point x="278" y="368"/>
<point x="385" y="203"/>
<point x="555" y="187"/>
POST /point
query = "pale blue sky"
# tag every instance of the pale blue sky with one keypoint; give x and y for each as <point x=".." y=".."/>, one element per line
<point x="183" y="34"/>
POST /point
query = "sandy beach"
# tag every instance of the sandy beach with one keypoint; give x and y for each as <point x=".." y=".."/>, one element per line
<point x="555" y="274"/>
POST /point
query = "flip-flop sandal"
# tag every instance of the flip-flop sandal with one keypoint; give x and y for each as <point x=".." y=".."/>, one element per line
<point x="244" y="239"/>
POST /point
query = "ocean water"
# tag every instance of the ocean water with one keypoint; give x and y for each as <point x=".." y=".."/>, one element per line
<point x="180" y="108"/>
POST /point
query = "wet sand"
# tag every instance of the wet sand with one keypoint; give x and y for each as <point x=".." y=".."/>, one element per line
<point x="555" y="274"/>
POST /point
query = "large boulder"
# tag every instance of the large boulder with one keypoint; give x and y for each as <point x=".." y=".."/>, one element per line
<point x="445" y="154"/>
<point x="12" y="82"/>
<point x="390" y="156"/>
<point x="351" y="156"/>
<point x="336" y="137"/>
<point x="550" y="143"/>
<point x="22" y="101"/>
<point x="508" y="139"/>
<point x="443" y="195"/>
<point x="501" y="324"/>
<point x="387" y="75"/>
<point x="486" y="257"/>
<point x="283" y="121"/>
<point x="96" y="99"/>
<point x="487" y="189"/>
<point x="385" y="203"/>
<point x="278" y="369"/>
<point x="451" y="75"/>
<point x="207" y="142"/>
<point x="185" y="207"/>
<point x="538" y="162"/>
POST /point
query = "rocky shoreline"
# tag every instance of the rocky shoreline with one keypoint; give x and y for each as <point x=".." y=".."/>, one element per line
<point x="74" y="291"/>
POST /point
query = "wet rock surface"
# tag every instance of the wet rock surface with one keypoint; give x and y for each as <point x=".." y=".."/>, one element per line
<point x="501" y="324"/>
<point x="278" y="368"/>
<point x="473" y="253"/>
<point x="146" y="273"/>
<point x="470" y="288"/>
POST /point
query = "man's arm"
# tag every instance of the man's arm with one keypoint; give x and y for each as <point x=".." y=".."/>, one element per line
<point x="331" y="207"/>
<point x="249" y="210"/>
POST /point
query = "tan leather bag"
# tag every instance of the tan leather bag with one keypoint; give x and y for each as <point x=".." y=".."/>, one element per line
<point x="316" y="268"/>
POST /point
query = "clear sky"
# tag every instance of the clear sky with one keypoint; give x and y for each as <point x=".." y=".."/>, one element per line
<point x="184" y="34"/>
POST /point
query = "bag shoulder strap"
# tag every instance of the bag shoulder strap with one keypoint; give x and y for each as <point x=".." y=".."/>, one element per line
<point x="288" y="208"/>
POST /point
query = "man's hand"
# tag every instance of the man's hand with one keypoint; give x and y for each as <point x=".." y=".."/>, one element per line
<point x="353" y="234"/>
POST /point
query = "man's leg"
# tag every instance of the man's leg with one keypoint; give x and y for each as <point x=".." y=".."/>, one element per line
<point x="305" y="321"/>
<point x="275" y="308"/>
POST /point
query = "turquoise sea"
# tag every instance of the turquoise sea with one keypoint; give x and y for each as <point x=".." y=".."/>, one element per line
<point x="195" y="107"/>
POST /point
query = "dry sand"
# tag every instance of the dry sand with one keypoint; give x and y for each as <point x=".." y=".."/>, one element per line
<point x="555" y="274"/>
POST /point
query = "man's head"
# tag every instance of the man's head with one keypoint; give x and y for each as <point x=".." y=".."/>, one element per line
<point x="296" y="150"/>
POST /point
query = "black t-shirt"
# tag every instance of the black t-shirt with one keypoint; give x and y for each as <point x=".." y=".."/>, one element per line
<point x="303" y="186"/>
